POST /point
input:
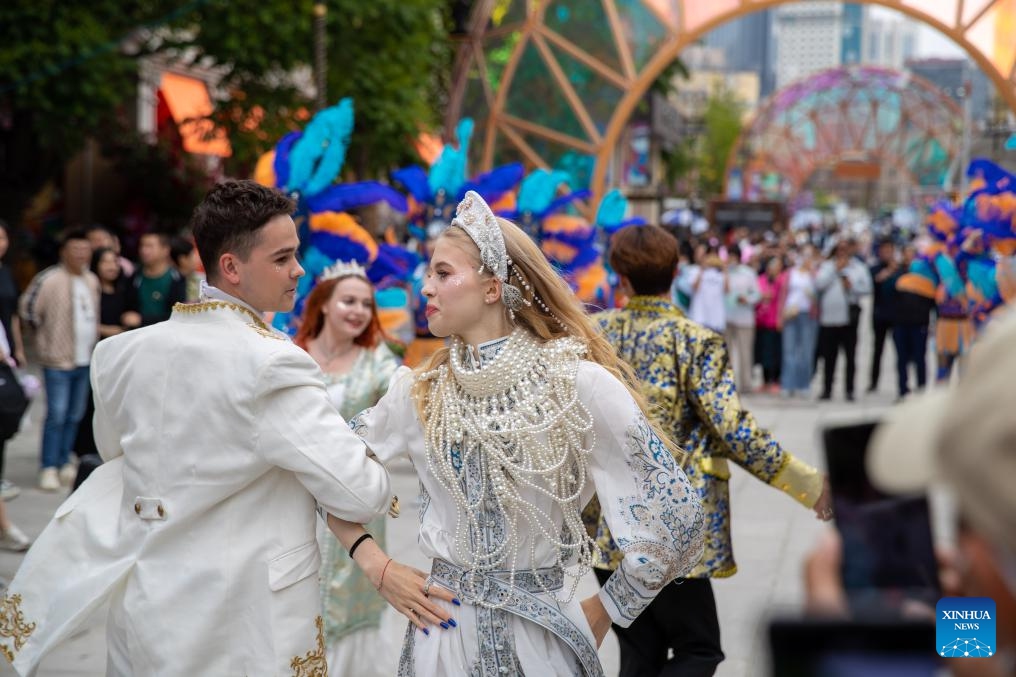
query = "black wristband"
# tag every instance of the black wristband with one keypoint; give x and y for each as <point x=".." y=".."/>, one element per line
<point x="357" y="544"/>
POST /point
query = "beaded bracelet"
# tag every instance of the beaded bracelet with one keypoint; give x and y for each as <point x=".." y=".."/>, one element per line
<point x="382" y="581"/>
<point x="357" y="544"/>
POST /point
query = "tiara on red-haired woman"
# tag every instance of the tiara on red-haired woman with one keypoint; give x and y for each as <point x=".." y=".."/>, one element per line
<point x="343" y="269"/>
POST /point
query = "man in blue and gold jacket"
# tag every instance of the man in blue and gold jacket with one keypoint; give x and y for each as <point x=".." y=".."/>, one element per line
<point x="687" y="376"/>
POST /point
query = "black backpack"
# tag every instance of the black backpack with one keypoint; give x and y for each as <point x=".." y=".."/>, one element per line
<point x="13" y="402"/>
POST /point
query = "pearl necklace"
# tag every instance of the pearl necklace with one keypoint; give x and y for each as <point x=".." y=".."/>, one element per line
<point x="519" y="419"/>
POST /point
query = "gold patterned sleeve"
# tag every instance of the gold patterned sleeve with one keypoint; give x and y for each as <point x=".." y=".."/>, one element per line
<point x="741" y="438"/>
<point x="799" y="480"/>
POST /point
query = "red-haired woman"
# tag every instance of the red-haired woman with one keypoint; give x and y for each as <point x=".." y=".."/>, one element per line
<point x="341" y="331"/>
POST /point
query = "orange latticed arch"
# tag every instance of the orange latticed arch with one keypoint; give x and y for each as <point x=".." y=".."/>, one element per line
<point x="554" y="82"/>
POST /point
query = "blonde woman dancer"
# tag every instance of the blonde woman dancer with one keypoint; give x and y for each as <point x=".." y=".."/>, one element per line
<point x="512" y="428"/>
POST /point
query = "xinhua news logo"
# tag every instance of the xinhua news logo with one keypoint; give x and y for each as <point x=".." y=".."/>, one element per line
<point x="965" y="627"/>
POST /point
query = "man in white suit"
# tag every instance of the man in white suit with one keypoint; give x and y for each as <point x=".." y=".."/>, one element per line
<point x="219" y="441"/>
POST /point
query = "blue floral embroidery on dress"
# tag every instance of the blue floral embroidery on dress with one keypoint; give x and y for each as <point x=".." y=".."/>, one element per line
<point x="523" y="599"/>
<point x="407" y="663"/>
<point x="625" y="594"/>
<point x="424" y="501"/>
<point x="358" y="424"/>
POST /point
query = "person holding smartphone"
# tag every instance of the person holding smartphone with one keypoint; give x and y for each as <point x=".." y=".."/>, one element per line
<point x="837" y="279"/>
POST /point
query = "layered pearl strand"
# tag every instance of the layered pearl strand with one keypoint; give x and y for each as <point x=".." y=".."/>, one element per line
<point x="519" y="418"/>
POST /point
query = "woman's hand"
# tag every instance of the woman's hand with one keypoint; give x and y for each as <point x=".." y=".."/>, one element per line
<point x="596" y="615"/>
<point x="403" y="587"/>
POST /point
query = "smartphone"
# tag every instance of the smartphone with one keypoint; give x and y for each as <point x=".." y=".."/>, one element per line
<point x="831" y="648"/>
<point x="888" y="553"/>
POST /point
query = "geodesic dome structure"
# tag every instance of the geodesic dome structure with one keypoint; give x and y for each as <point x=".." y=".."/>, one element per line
<point x="855" y="119"/>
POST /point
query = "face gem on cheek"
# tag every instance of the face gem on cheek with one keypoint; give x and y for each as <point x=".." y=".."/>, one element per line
<point x="456" y="280"/>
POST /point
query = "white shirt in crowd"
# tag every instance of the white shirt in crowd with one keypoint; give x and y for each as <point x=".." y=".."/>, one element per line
<point x="84" y="321"/>
<point x="742" y="284"/>
<point x="800" y="291"/>
<point x="707" y="302"/>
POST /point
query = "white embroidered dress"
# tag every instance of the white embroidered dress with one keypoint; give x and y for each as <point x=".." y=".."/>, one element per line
<point x="652" y="511"/>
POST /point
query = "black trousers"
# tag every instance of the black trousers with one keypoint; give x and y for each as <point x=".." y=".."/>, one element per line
<point x="911" y="348"/>
<point x="831" y="341"/>
<point x="84" y="446"/>
<point x="769" y="353"/>
<point x="84" y="443"/>
<point x="681" y="619"/>
<point x="881" y="329"/>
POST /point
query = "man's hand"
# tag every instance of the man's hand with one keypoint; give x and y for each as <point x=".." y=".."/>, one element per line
<point x="131" y="319"/>
<point x="596" y="615"/>
<point x="824" y="505"/>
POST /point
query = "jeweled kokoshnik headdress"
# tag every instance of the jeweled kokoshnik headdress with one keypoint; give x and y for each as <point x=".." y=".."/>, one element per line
<point x="474" y="216"/>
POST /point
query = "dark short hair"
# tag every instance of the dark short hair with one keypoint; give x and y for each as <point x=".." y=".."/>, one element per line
<point x="164" y="239"/>
<point x="734" y="253"/>
<point x="230" y="218"/>
<point x="686" y="249"/>
<point x="179" y="248"/>
<point x="72" y="234"/>
<point x="646" y="255"/>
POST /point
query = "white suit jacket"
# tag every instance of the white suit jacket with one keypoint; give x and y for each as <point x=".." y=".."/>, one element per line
<point x="199" y="530"/>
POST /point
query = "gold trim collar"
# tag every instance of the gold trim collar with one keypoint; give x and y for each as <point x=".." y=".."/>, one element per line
<point x="204" y="306"/>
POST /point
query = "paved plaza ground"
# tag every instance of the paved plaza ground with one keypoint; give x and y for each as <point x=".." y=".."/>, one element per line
<point x="771" y="532"/>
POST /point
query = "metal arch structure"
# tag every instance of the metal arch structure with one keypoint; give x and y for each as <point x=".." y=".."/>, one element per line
<point x="552" y="81"/>
<point x="869" y="113"/>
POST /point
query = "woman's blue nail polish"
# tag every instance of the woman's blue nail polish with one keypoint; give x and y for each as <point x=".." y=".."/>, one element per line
<point x="444" y="625"/>
<point x="451" y="622"/>
<point x="456" y="602"/>
<point x="426" y="631"/>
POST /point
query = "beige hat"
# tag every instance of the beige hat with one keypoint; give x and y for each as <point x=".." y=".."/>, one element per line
<point x="963" y="436"/>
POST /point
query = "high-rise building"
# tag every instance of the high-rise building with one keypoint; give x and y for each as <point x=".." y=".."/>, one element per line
<point x="747" y="44"/>
<point x="814" y="36"/>
<point x="949" y="75"/>
<point x="851" y="34"/>
<point x="889" y="41"/>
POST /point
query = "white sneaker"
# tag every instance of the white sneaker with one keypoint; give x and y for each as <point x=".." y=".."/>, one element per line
<point x="68" y="473"/>
<point x="49" y="480"/>
<point x="9" y="491"/>
<point x="14" y="540"/>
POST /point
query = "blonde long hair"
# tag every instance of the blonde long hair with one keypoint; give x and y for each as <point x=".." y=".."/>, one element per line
<point x="569" y="318"/>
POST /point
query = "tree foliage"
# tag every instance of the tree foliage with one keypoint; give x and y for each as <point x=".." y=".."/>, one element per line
<point x="722" y="122"/>
<point x="393" y="57"/>
<point x="700" y="161"/>
<point x="68" y="71"/>
<point x="389" y="55"/>
<point x="65" y="62"/>
<point x="63" y="75"/>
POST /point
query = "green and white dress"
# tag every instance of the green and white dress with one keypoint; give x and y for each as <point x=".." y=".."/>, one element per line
<point x="352" y="607"/>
